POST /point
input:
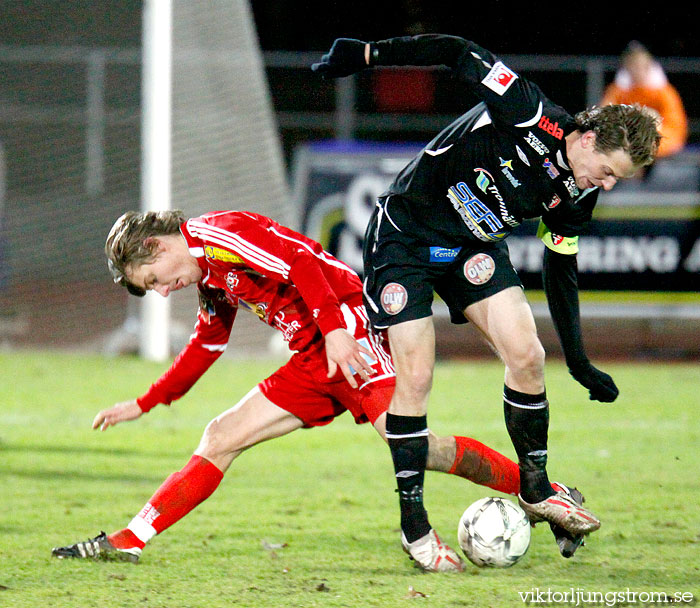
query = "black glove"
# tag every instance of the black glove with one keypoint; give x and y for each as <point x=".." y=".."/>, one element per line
<point x="346" y="57"/>
<point x="600" y="386"/>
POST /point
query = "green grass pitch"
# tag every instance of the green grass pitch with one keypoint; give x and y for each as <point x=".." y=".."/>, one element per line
<point x="311" y="520"/>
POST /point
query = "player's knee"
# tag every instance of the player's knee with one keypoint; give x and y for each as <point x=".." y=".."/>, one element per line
<point x="527" y="358"/>
<point x="416" y="381"/>
<point x="215" y="442"/>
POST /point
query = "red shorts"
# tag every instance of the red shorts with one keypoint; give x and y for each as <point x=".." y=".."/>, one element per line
<point x="302" y="388"/>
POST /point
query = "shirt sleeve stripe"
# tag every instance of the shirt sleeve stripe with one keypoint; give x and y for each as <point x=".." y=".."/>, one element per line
<point x="324" y="257"/>
<point x="534" y="120"/>
<point x="234" y="242"/>
<point x="215" y="347"/>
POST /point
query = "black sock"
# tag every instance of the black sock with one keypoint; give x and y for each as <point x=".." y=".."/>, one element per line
<point x="408" y="442"/>
<point x="527" y="421"/>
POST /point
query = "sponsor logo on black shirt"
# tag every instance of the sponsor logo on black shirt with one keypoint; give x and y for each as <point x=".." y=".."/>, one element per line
<point x="550" y="127"/>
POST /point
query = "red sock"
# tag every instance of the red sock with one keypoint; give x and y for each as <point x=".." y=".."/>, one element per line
<point x="125" y="539"/>
<point x="480" y="464"/>
<point x="179" y="494"/>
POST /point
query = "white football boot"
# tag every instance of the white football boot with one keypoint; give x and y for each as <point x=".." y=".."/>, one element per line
<point x="562" y="510"/>
<point x="431" y="554"/>
<point x="568" y="543"/>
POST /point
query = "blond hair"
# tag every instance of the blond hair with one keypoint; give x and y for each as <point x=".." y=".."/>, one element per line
<point x="130" y="243"/>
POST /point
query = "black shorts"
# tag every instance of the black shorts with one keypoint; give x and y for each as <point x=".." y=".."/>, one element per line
<point x="402" y="272"/>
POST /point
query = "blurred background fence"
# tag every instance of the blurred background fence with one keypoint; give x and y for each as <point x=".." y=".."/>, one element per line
<point x="246" y="131"/>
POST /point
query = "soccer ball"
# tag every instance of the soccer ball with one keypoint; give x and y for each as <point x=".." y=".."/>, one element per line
<point x="494" y="532"/>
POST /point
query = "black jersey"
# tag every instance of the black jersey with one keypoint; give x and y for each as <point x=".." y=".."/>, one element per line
<point x="501" y="162"/>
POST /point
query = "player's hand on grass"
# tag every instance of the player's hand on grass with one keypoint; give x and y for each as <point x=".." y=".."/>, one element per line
<point x="121" y="412"/>
<point x="342" y="350"/>
<point x="600" y="385"/>
<point x="346" y="57"/>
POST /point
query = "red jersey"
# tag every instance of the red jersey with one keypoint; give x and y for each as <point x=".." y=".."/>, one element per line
<point x="250" y="261"/>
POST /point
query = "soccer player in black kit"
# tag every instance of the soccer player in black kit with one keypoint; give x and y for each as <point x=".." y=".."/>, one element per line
<point x="441" y="227"/>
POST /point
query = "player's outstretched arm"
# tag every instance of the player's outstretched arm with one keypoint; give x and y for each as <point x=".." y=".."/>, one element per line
<point x="342" y="350"/>
<point x="348" y="56"/>
<point x="121" y="412"/>
<point x="559" y="275"/>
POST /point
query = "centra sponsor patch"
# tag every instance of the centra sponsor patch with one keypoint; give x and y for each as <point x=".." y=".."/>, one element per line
<point x="393" y="298"/>
<point x="444" y="254"/>
<point x="479" y="269"/>
<point x="215" y="253"/>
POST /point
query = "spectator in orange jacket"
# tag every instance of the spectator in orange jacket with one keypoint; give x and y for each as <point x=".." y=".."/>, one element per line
<point x="641" y="79"/>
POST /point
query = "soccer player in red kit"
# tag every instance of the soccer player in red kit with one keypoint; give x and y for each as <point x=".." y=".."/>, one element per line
<point x="245" y="260"/>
